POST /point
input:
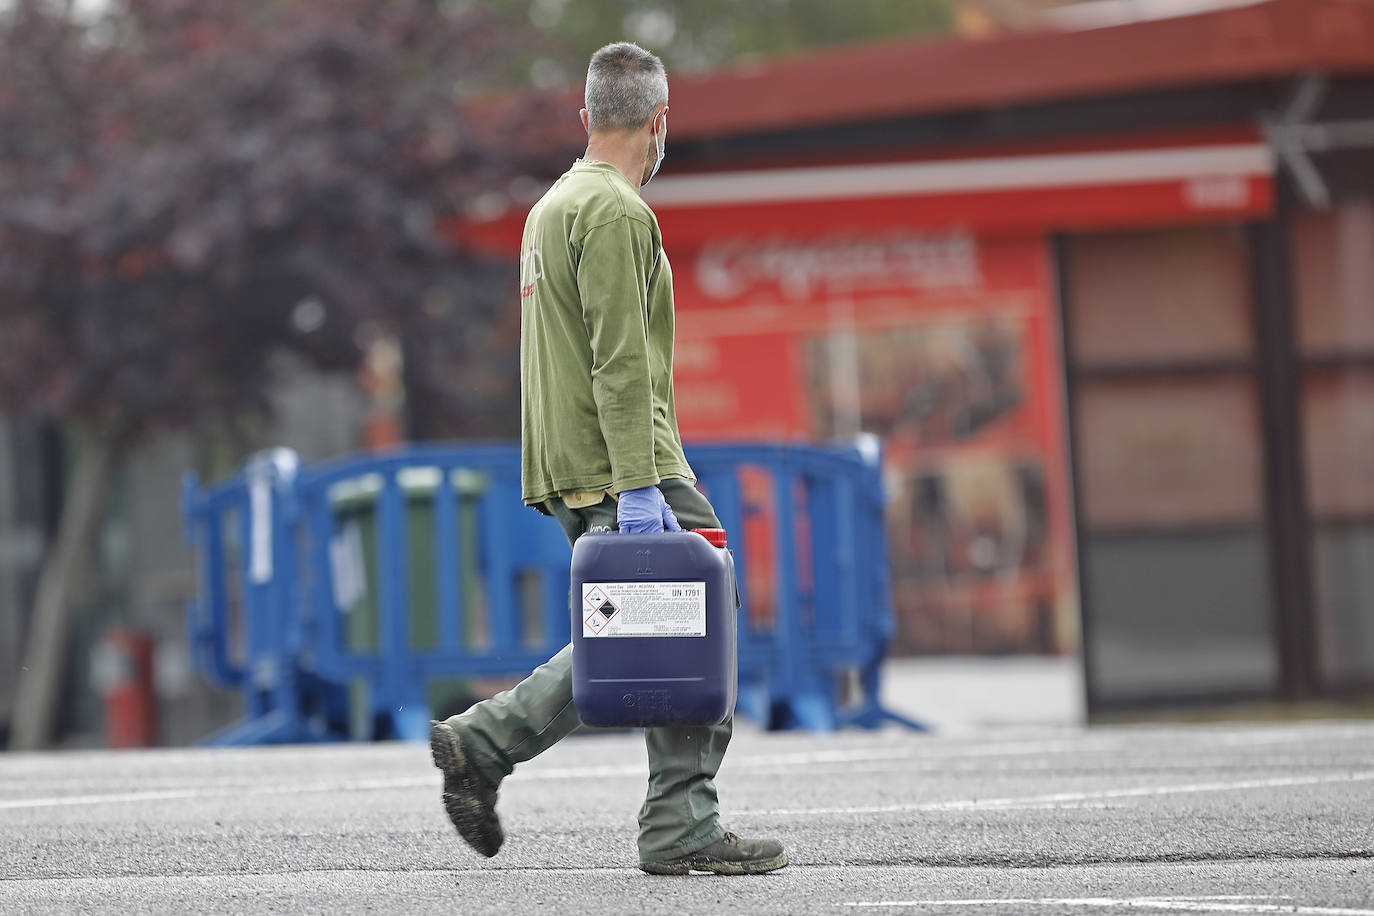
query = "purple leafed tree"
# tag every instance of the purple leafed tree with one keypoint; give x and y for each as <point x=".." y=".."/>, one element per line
<point x="178" y="177"/>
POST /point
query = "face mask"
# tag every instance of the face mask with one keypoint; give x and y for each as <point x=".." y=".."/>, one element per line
<point x="658" y="142"/>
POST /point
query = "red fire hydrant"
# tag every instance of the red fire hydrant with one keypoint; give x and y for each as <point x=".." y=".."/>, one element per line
<point x="123" y="673"/>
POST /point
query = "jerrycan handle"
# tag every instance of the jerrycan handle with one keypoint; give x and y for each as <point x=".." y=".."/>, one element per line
<point x="714" y="536"/>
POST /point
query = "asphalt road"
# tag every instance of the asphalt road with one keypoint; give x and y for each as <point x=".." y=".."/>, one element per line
<point x="1231" y="819"/>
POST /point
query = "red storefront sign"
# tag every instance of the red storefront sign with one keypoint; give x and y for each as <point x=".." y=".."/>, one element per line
<point x="944" y="344"/>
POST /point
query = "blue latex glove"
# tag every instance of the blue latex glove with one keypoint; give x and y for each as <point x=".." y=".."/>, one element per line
<point x="645" y="511"/>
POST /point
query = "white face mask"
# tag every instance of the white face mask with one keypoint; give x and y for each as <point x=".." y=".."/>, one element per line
<point x="658" y="142"/>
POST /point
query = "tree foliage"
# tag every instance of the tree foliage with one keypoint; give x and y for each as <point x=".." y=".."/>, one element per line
<point x="187" y="187"/>
<point x="704" y="34"/>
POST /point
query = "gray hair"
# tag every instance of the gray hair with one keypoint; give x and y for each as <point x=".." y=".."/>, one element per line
<point x="625" y="83"/>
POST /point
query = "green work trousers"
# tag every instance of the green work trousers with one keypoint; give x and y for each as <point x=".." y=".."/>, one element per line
<point x="680" y="813"/>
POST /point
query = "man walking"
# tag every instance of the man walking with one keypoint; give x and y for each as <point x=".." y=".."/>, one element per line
<point x="601" y="451"/>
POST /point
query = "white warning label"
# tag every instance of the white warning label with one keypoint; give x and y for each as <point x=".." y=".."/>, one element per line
<point x="643" y="609"/>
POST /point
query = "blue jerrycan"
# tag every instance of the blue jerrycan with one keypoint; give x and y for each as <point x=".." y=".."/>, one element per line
<point x="653" y="629"/>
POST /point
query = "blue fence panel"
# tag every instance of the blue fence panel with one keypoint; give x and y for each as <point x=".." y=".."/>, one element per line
<point x="246" y="537"/>
<point x="817" y="663"/>
<point x="496" y="594"/>
<point x="335" y="569"/>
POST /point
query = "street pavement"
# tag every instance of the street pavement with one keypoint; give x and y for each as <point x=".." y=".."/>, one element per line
<point x="1202" y="819"/>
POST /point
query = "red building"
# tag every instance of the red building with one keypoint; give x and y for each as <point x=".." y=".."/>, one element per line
<point x="1108" y="297"/>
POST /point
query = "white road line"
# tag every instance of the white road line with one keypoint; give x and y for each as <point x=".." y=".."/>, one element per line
<point x="918" y="751"/>
<point x="1292" y="734"/>
<point x="919" y="755"/>
<point x="21" y="771"/>
<point x="1072" y="799"/>
<point x="767" y="763"/>
<point x="756" y="768"/>
<point x="11" y="804"/>
<point x="916" y="754"/>
<point x="63" y="801"/>
<point x="1185" y="904"/>
<point x="430" y="779"/>
<point x="299" y="874"/>
<point x="1055" y="800"/>
<point x="1082" y="901"/>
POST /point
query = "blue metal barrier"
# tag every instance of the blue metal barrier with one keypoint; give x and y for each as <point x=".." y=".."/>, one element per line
<point x="244" y="626"/>
<point x="519" y="609"/>
<point x="288" y="613"/>
<point x="833" y="615"/>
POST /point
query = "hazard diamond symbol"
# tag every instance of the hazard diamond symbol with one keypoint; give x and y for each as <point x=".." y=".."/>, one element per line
<point x="597" y="611"/>
<point x="593" y="624"/>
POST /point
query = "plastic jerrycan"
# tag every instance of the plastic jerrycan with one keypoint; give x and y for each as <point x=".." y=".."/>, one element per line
<point x="653" y="628"/>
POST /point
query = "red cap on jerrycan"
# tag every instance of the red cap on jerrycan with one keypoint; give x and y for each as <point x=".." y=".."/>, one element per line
<point x="715" y="536"/>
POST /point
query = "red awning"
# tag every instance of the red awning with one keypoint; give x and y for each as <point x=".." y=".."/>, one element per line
<point x="910" y="78"/>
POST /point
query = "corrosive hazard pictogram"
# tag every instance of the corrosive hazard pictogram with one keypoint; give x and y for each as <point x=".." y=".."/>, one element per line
<point x="600" y="610"/>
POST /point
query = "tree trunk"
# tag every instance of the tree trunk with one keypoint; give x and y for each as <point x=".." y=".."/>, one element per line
<point x="45" y="653"/>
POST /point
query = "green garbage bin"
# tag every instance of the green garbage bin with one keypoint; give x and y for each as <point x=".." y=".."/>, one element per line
<point x="353" y="557"/>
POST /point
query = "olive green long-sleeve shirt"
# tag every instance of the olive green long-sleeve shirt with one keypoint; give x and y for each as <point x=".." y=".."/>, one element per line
<point x="596" y="341"/>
